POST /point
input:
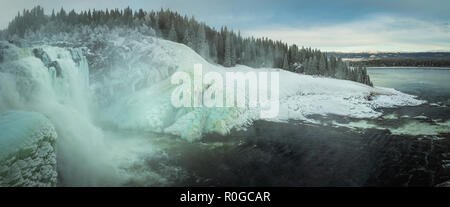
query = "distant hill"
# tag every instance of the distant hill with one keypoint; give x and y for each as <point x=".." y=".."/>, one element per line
<point x="418" y="59"/>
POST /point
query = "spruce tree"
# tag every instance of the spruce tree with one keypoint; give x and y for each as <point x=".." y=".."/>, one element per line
<point x="227" y="55"/>
<point x="202" y="44"/>
<point x="172" y="36"/>
<point x="322" y="68"/>
<point x="285" y="62"/>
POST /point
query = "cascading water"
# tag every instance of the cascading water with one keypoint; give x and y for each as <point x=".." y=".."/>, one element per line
<point x="54" y="81"/>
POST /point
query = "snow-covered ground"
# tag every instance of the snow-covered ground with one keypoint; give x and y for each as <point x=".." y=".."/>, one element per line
<point x="134" y="94"/>
<point x="140" y="98"/>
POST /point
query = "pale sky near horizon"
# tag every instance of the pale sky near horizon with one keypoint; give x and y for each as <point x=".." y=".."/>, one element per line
<point x="346" y="25"/>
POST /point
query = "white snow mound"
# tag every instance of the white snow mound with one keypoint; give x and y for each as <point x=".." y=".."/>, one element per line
<point x="139" y="95"/>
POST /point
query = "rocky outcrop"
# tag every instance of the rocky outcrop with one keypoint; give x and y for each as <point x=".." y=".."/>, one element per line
<point x="51" y="65"/>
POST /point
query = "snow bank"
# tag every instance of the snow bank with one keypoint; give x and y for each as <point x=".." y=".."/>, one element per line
<point x="139" y="94"/>
<point x="303" y="95"/>
<point x="27" y="150"/>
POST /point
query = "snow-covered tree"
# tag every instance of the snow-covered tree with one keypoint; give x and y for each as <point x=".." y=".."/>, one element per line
<point x="202" y="43"/>
<point x="187" y="39"/>
<point x="172" y="36"/>
<point x="322" y="69"/>
<point x="227" y="56"/>
<point x="285" y="62"/>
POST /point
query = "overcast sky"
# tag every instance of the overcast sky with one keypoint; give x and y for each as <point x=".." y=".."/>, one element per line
<point x="332" y="25"/>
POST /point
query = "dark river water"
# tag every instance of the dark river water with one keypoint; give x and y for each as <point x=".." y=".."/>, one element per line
<point x="408" y="146"/>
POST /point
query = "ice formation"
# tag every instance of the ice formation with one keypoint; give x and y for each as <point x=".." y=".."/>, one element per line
<point x="53" y="81"/>
<point x="27" y="150"/>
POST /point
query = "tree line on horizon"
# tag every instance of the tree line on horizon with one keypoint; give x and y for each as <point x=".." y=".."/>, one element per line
<point x="403" y="62"/>
<point x="224" y="46"/>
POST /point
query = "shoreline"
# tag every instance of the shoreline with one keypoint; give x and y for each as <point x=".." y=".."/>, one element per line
<point x="412" y="67"/>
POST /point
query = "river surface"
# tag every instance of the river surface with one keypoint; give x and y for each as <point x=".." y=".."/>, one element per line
<point x="432" y="84"/>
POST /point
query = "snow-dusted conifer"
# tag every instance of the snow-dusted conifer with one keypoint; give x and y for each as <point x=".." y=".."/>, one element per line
<point x="172" y="36"/>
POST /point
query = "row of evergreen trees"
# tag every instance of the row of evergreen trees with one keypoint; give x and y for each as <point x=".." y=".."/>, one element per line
<point x="404" y="62"/>
<point x="223" y="46"/>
